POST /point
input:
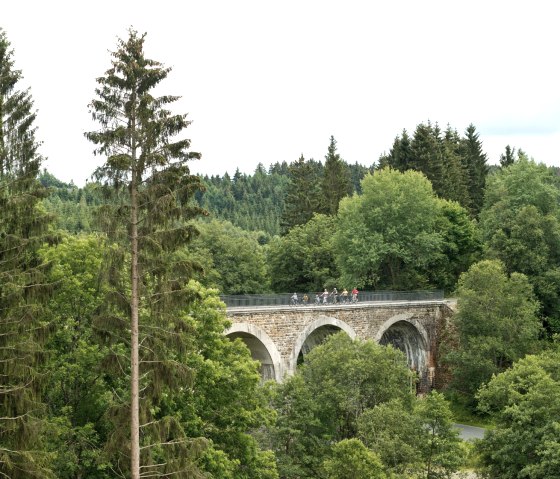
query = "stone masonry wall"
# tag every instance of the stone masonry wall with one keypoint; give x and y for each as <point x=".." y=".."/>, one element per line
<point x="288" y="327"/>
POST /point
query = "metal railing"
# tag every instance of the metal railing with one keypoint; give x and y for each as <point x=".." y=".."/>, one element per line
<point x="285" y="299"/>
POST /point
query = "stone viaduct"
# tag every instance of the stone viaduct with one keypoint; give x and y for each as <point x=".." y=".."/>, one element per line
<point x="280" y="336"/>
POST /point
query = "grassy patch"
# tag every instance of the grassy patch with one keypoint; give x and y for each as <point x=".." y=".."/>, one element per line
<point x="465" y="415"/>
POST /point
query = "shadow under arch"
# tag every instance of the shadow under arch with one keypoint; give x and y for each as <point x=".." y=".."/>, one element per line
<point x="409" y="336"/>
<point x="313" y="335"/>
<point x="262" y="349"/>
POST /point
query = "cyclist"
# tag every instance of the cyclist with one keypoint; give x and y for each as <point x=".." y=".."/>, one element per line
<point x="334" y="295"/>
<point x="294" y="299"/>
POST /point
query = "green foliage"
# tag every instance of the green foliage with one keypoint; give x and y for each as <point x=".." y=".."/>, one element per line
<point x="77" y="390"/>
<point x="461" y="246"/>
<point x="321" y="404"/>
<point x="440" y="446"/>
<point x="225" y="402"/>
<point x="456" y="166"/>
<point x="72" y="207"/>
<point x="232" y="259"/>
<point x="85" y="386"/>
<point x="350" y="459"/>
<point x="510" y="156"/>
<point x="151" y="194"/>
<point x="349" y="412"/>
<point x="335" y="183"/>
<point x="304" y="259"/>
<point x="393" y="431"/>
<point x="400" y="156"/>
<point x="496" y="324"/>
<point x="525" y="401"/>
<point x="302" y="193"/>
<point x="417" y="441"/>
<point x="428" y="155"/>
<point x="520" y="223"/>
<point x="252" y="202"/>
<point x="23" y="286"/>
<point x="475" y="162"/>
<point x="387" y="237"/>
<point x="455" y="175"/>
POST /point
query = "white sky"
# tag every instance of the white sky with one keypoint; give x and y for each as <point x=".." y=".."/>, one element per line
<point x="266" y="81"/>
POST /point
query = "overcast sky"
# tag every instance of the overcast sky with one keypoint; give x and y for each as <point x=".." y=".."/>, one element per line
<point x="268" y="81"/>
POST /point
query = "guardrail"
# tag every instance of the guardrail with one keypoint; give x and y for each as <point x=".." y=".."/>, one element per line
<point x="285" y="299"/>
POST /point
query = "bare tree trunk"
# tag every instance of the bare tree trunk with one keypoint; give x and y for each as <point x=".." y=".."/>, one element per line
<point x="134" y="359"/>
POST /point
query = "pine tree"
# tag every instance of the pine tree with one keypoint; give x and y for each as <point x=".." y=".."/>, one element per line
<point x="147" y="177"/>
<point x="336" y="181"/>
<point x="22" y="284"/>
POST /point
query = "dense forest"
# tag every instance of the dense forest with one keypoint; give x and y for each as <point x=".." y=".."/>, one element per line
<point x="112" y="353"/>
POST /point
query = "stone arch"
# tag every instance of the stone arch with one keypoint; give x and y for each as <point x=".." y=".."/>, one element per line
<point x="315" y="332"/>
<point x="262" y="348"/>
<point x="408" y="335"/>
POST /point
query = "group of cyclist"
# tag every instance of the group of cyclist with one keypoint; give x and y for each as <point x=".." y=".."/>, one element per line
<point x="325" y="297"/>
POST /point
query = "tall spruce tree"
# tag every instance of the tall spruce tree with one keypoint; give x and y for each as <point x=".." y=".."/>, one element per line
<point x="22" y="285"/>
<point x="302" y="194"/>
<point x="336" y="181"/>
<point x="475" y="162"/>
<point x="147" y="177"/>
<point x="427" y="155"/>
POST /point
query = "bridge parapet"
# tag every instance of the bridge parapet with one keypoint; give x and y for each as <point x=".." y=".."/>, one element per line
<point x="247" y="300"/>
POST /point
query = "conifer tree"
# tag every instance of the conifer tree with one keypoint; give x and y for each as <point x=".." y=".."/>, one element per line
<point x="147" y="177"/>
<point x="336" y="181"/>
<point x="507" y="158"/>
<point x="475" y="161"/>
<point x="22" y="285"/>
<point x="455" y="181"/>
<point x="400" y="156"/>
<point x="427" y="155"/>
<point x="302" y="195"/>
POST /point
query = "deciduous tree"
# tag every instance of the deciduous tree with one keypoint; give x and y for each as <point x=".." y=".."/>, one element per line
<point x="304" y="260"/>
<point x="350" y="459"/>
<point x="525" y="403"/>
<point x="321" y="405"/>
<point x="413" y="439"/>
<point x="496" y="325"/>
<point x="232" y="258"/>
<point x="386" y="237"/>
<point x="520" y="224"/>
